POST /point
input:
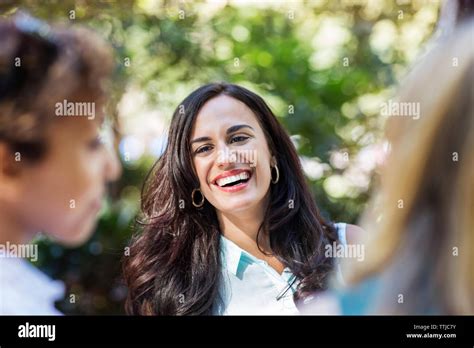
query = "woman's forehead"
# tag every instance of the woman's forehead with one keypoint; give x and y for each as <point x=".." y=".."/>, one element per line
<point x="224" y="110"/>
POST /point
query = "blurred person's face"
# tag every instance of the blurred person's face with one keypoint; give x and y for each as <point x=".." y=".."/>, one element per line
<point x="233" y="164"/>
<point x="61" y="194"/>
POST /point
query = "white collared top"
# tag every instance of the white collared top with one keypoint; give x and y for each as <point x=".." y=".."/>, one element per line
<point x="252" y="287"/>
<point x="25" y="290"/>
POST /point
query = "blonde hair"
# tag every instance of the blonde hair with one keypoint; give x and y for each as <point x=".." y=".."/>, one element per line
<point x="420" y="235"/>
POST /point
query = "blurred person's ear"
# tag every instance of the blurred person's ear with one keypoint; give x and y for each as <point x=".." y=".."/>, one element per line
<point x="10" y="174"/>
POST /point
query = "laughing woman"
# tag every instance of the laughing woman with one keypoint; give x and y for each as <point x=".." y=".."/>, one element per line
<point x="229" y="223"/>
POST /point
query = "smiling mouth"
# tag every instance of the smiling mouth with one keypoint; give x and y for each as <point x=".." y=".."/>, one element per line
<point x="234" y="180"/>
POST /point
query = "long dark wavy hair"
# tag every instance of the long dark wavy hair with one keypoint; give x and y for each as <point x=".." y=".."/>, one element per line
<point x="174" y="265"/>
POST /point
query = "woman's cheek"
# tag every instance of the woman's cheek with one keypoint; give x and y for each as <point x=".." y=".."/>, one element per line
<point x="202" y="166"/>
<point x="264" y="174"/>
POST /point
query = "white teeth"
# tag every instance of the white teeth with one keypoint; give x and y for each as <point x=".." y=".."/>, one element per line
<point x="229" y="179"/>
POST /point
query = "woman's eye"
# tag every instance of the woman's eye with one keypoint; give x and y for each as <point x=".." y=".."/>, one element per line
<point x="203" y="149"/>
<point x="238" y="138"/>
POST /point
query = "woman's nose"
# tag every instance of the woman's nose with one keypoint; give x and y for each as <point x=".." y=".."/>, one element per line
<point x="225" y="155"/>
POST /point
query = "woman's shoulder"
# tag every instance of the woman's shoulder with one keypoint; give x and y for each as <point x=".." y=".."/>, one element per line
<point x="348" y="233"/>
<point x="354" y="233"/>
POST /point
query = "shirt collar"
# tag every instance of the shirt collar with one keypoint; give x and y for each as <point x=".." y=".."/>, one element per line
<point x="232" y="256"/>
<point x="27" y="277"/>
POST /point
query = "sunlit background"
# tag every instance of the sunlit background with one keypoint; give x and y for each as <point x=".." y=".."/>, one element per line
<point x="325" y="68"/>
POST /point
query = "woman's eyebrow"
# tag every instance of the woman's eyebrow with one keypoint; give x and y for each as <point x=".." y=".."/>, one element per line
<point x="237" y="127"/>
<point x="199" y="140"/>
<point x="229" y="130"/>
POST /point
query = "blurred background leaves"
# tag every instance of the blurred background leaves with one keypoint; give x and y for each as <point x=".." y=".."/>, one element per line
<point x="325" y="68"/>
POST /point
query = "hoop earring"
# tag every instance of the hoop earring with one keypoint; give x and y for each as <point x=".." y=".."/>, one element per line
<point x="197" y="205"/>
<point x="278" y="175"/>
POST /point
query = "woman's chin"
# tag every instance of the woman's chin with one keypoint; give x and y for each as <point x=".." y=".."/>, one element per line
<point x="233" y="206"/>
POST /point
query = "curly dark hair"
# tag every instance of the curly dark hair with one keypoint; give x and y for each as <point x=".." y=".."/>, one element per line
<point x="40" y="65"/>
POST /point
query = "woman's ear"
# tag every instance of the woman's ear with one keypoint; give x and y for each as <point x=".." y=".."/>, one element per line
<point x="273" y="161"/>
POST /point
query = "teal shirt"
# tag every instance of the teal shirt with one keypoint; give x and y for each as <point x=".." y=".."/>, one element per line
<point x="364" y="299"/>
<point x="358" y="300"/>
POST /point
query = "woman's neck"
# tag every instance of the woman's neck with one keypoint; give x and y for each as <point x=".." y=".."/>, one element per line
<point x="240" y="228"/>
<point x="243" y="231"/>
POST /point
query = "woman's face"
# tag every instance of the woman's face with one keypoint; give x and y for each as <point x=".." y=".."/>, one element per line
<point x="62" y="193"/>
<point x="230" y="156"/>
